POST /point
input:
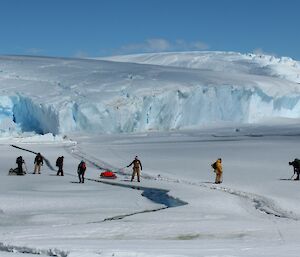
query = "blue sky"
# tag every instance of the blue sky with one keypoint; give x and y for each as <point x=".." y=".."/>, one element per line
<point x="78" y="28"/>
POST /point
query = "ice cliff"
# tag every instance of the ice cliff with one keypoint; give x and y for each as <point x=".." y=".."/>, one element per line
<point x="144" y="92"/>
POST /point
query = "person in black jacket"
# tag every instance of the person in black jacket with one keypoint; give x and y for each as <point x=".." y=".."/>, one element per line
<point x="296" y="166"/>
<point x="20" y="162"/>
<point x="38" y="162"/>
<point x="136" y="168"/>
<point x="59" y="164"/>
<point x="81" y="170"/>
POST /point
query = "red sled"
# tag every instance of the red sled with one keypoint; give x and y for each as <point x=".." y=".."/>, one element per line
<point x="108" y="174"/>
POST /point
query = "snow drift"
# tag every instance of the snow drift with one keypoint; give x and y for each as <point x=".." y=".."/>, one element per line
<point x="158" y="92"/>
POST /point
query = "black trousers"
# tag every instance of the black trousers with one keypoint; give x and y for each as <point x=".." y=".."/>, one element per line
<point x="60" y="171"/>
<point x="20" y="169"/>
<point x="81" y="176"/>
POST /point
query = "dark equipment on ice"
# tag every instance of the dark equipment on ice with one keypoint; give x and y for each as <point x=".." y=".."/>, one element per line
<point x="15" y="172"/>
<point x="19" y="170"/>
<point x="20" y="161"/>
<point x="296" y="166"/>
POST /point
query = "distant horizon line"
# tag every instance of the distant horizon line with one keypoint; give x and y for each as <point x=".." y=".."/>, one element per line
<point x="144" y="53"/>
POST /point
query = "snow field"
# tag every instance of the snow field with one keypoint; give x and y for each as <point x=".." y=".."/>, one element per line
<point x="37" y="207"/>
<point x="50" y="212"/>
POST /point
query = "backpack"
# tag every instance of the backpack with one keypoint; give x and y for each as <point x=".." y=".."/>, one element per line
<point x="297" y="163"/>
<point x="57" y="162"/>
<point x="214" y="165"/>
<point x="83" y="166"/>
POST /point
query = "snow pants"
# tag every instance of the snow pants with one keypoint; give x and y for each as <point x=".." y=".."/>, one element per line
<point x="20" y="169"/>
<point x="60" y="171"/>
<point x="218" y="177"/>
<point x="81" y="176"/>
<point x="135" y="171"/>
<point x="37" y="168"/>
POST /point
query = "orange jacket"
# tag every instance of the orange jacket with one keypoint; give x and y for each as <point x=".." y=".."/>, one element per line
<point x="219" y="166"/>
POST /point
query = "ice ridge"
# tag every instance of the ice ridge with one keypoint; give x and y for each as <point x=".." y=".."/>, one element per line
<point x="59" y="96"/>
<point x="173" y="109"/>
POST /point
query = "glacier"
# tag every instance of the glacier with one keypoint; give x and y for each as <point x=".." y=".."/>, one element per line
<point x="258" y="64"/>
<point x="166" y="91"/>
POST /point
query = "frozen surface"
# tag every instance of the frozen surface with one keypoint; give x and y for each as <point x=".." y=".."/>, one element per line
<point x="255" y="212"/>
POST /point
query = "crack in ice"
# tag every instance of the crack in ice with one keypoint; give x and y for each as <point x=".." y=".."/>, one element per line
<point x="28" y="250"/>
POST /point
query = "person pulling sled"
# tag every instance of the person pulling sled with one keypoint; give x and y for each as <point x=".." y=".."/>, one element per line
<point x="136" y="168"/>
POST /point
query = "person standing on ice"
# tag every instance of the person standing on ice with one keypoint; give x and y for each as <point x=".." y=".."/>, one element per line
<point x="59" y="164"/>
<point x="38" y="162"/>
<point x="136" y="168"/>
<point x="81" y="170"/>
<point x="20" y="162"/>
<point x="296" y="166"/>
<point x="218" y="169"/>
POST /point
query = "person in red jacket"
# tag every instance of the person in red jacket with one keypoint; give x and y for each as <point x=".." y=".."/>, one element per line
<point x="81" y="171"/>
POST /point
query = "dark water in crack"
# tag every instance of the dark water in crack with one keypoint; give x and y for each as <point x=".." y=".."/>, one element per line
<point x="162" y="197"/>
<point x="156" y="195"/>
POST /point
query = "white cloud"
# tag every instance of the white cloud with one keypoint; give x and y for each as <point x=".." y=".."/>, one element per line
<point x="162" y="45"/>
<point x="200" y="45"/>
<point x="158" y="44"/>
<point x="81" y="54"/>
<point x="197" y="45"/>
<point x="34" y="51"/>
<point x="260" y="51"/>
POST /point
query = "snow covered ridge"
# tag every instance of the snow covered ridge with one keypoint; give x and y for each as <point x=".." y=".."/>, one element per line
<point x="257" y="64"/>
<point x="56" y="95"/>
